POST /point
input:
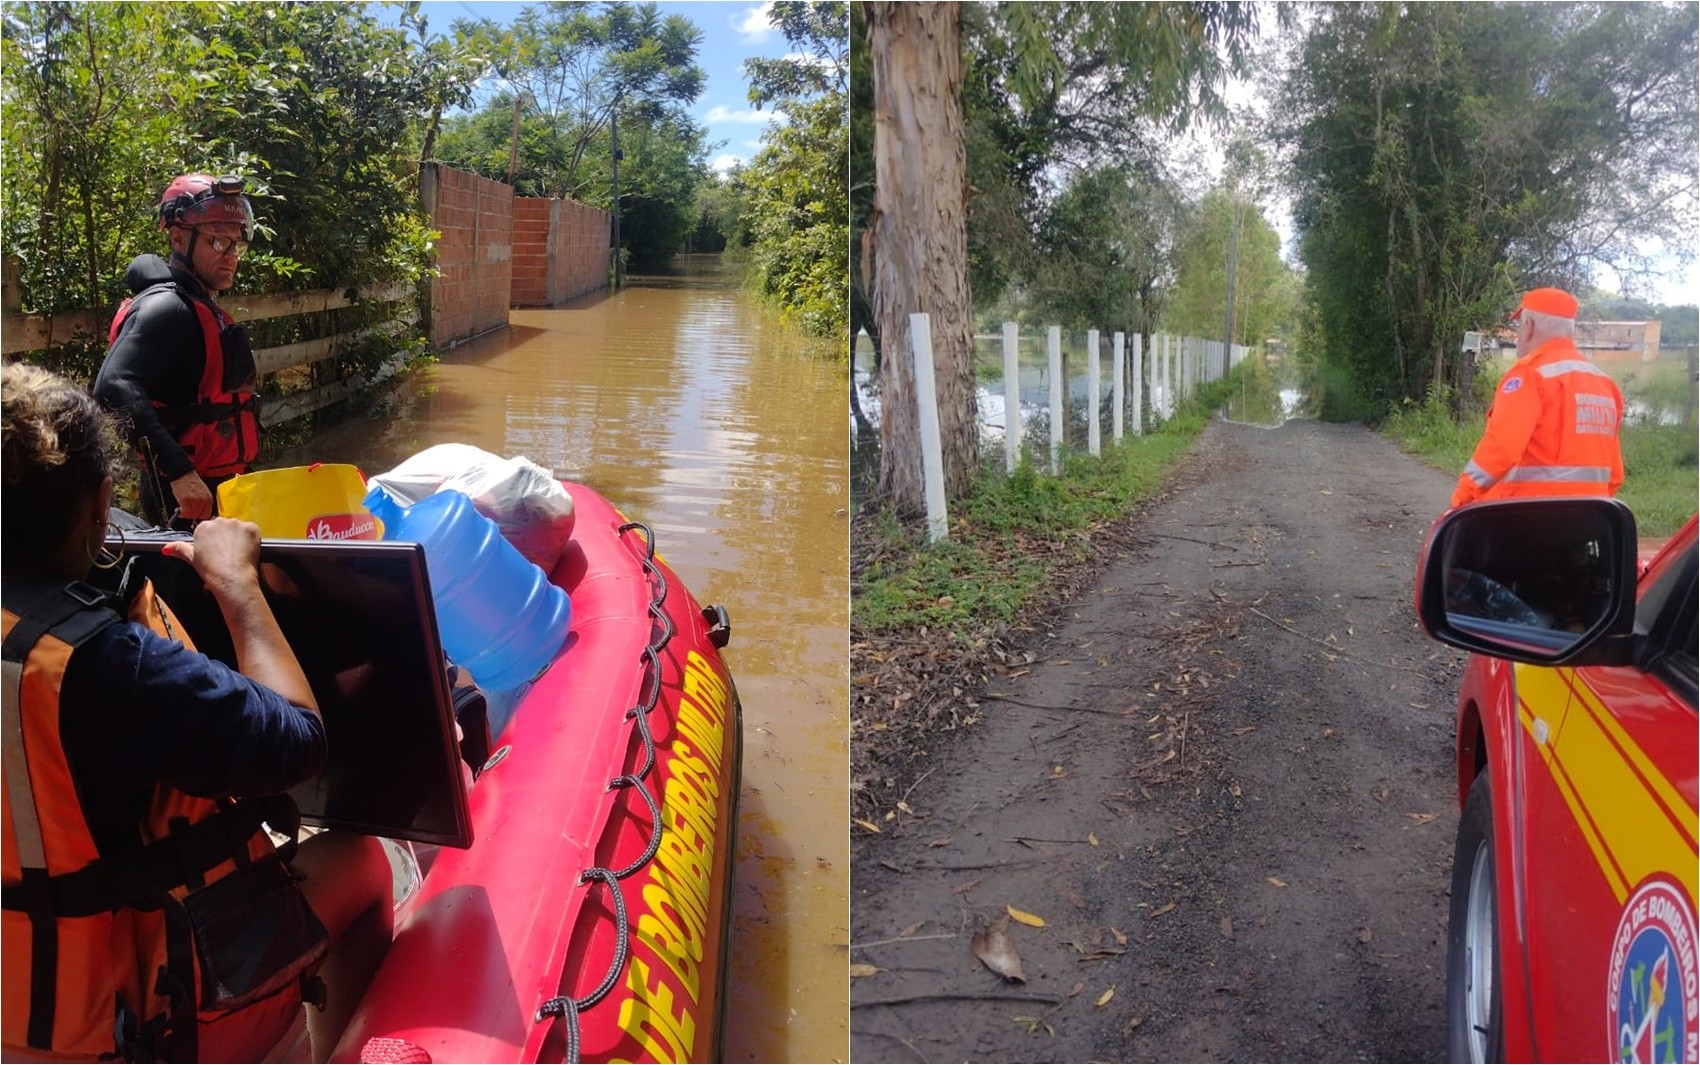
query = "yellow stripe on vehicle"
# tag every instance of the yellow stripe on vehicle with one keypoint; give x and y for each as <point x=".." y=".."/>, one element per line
<point x="1545" y="688"/>
<point x="1606" y="779"/>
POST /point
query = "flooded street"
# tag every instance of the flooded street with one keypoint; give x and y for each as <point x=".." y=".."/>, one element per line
<point x="691" y="410"/>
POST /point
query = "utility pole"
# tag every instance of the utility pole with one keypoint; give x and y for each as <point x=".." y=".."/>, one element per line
<point x="1233" y="264"/>
<point x="614" y="145"/>
<point x="513" y="142"/>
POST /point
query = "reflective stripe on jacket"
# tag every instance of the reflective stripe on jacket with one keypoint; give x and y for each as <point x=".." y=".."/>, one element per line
<point x="95" y="944"/>
<point x="1552" y="431"/>
<point x="220" y="431"/>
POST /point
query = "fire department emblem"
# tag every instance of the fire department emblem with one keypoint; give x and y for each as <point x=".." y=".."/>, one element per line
<point x="1653" y="994"/>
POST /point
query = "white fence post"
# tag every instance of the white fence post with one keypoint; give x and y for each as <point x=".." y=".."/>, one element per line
<point x="1093" y="389"/>
<point x="926" y="402"/>
<point x="1168" y="376"/>
<point x="1011" y="397"/>
<point x="1053" y="348"/>
<point x="1117" y="390"/>
<point x="1138" y="385"/>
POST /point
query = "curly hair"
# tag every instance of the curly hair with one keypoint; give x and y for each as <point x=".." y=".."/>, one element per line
<point x="56" y="445"/>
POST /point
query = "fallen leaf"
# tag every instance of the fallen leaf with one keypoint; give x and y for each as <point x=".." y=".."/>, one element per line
<point x="1242" y="731"/>
<point x="911" y="930"/>
<point x="1121" y="937"/>
<point x="963" y="889"/>
<point x="1234" y="790"/>
<point x="1227" y="928"/>
<point x="890" y="815"/>
<point x="1421" y="819"/>
<point x="1028" y="919"/>
<point x="1078" y="988"/>
<point x="858" y="969"/>
<point x="1058" y="772"/>
<point x="1277" y="881"/>
<point x="1364" y="935"/>
<point x="1161" y="910"/>
<point x="901" y="805"/>
<point x="1132" y="1023"/>
<point x="1380" y="794"/>
<point x="1104" y="999"/>
<point x="1092" y="838"/>
<point x="1327" y="732"/>
<point x="869" y="825"/>
<point x="993" y="948"/>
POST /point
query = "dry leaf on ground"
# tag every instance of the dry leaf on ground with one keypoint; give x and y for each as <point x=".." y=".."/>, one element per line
<point x="869" y="825"/>
<point x="1104" y="999"/>
<point x="858" y="968"/>
<point x="1277" y="881"/>
<point x="1028" y="919"/>
<point x="910" y="930"/>
<point x="1161" y="910"/>
<point x="993" y="948"/>
<point x="1227" y="928"/>
<point x="1121" y="937"/>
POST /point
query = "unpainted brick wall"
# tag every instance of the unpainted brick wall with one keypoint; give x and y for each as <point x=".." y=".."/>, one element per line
<point x="560" y="250"/>
<point x="475" y="255"/>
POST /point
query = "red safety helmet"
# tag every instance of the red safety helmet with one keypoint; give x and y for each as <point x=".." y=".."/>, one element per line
<point x="194" y="199"/>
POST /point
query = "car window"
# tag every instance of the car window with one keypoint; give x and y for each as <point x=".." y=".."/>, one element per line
<point x="1671" y="616"/>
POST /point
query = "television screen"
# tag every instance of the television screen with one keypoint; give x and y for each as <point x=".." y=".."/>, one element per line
<point x="359" y="617"/>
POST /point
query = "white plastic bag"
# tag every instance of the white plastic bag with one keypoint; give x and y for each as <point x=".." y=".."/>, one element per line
<point x="524" y="500"/>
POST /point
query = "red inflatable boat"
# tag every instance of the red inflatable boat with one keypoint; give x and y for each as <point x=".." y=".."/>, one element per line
<point x="588" y="920"/>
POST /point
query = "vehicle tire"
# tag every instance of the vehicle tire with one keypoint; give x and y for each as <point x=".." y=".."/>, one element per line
<point x="1474" y="1023"/>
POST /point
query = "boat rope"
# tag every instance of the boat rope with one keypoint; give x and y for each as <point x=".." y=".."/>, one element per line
<point x="661" y="632"/>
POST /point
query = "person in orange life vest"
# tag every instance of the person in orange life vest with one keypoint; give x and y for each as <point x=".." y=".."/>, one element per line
<point x="178" y="368"/>
<point x="137" y="769"/>
<point x="1552" y="429"/>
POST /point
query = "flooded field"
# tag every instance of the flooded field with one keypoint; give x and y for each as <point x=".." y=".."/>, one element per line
<point x="691" y="410"/>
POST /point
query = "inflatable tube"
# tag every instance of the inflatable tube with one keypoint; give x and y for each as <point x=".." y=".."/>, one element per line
<point x="588" y="920"/>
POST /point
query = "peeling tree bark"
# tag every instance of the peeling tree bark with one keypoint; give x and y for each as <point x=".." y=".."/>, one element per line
<point x="919" y="228"/>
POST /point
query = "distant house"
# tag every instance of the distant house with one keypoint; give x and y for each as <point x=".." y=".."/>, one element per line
<point x="1619" y="341"/>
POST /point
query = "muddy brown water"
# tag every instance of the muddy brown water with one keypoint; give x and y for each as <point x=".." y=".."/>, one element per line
<point x="693" y="411"/>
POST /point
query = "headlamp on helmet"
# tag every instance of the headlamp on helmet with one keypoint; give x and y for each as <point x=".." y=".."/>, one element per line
<point x="196" y="199"/>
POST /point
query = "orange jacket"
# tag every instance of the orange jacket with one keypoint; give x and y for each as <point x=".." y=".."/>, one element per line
<point x="1552" y="431"/>
<point x="93" y="943"/>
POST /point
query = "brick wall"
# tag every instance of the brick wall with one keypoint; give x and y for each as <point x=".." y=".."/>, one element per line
<point x="560" y="250"/>
<point x="475" y="255"/>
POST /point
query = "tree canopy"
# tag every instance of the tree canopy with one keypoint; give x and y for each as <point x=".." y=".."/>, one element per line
<point x="1445" y="155"/>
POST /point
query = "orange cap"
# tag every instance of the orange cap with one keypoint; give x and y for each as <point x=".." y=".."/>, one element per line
<point x="1553" y="301"/>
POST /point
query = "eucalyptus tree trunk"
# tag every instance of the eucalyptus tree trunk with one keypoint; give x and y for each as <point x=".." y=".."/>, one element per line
<point x="919" y="227"/>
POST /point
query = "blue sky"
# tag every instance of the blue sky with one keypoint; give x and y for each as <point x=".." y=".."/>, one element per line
<point x="731" y="33"/>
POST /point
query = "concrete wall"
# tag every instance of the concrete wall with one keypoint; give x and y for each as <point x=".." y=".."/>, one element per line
<point x="560" y="250"/>
<point x="475" y="255"/>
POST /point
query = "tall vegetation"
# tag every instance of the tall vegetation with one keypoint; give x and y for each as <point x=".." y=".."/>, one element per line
<point x="795" y="199"/>
<point x="319" y="106"/>
<point x="575" y="79"/>
<point x="1049" y="97"/>
<point x="1445" y="155"/>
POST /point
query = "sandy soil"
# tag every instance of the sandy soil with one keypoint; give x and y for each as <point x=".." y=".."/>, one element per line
<point x="1221" y="776"/>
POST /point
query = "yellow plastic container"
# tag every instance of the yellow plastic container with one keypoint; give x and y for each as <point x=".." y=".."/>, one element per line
<point x="317" y="502"/>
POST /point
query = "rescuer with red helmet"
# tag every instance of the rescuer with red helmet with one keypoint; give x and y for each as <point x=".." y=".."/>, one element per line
<point x="1553" y="427"/>
<point x="179" y="370"/>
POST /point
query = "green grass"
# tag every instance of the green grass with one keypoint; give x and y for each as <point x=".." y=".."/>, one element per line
<point x="1659" y="461"/>
<point x="1011" y="535"/>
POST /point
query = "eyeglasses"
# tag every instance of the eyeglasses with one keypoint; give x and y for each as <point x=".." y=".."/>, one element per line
<point x="223" y="245"/>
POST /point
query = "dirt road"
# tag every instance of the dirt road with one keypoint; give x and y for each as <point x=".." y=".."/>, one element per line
<point x="1223" y="781"/>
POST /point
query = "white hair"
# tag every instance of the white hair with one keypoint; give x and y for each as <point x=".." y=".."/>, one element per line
<point x="1549" y="326"/>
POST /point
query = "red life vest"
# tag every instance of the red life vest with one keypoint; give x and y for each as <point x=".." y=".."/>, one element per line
<point x="220" y="431"/>
<point x="98" y="946"/>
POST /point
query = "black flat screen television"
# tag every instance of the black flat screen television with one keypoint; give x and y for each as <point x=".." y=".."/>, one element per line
<point x="359" y="617"/>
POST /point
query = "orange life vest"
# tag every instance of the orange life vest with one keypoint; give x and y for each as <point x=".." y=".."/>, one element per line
<point x="100" y="953"/>
<point x="220" y="431"/>
<point x="1552" y="431"/>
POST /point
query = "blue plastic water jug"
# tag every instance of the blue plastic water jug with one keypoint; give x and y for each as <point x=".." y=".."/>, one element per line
<point x="499" y="617"/>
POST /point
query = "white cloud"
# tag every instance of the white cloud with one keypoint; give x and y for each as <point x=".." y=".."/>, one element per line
<point x="723" y="162"/>
<point x="721" y="113"/>
<point x="753" y="25"/>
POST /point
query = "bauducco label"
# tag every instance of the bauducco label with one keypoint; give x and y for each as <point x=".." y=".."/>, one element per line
<point x="343" y="527"/>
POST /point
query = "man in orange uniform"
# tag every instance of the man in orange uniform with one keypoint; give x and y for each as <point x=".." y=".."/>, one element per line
<point x="1552" y="429"/>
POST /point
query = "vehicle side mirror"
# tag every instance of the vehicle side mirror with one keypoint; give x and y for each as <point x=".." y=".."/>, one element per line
<point x="1542" y="581"/>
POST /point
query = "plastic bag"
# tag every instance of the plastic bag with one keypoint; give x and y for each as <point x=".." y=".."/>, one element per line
<point x="318" y="502"/>
<point x="524" y="499"/>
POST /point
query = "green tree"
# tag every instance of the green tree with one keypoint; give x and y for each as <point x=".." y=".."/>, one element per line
<point x="1446" y="155"/>
<point x="796" y="199"/>
<point x="1263" y="292"/>
<point x="1086" y="80"/>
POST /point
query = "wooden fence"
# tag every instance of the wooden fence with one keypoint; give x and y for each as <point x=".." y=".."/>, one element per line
<point x="21" y="333"/>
